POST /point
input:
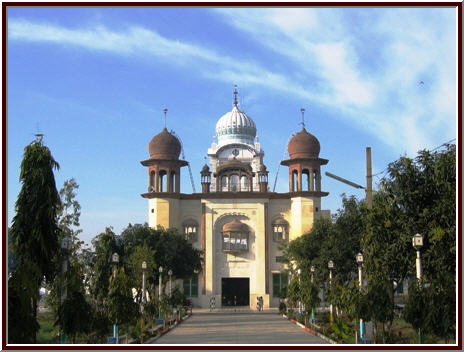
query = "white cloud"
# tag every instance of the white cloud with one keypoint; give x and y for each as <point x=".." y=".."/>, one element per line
<point x="405" y="46"/>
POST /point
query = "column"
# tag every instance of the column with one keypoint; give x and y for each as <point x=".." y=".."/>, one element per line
<point x="178" y="180"/>
<point x="290" y="180"/>
<point x="299" y="179"/>
<point x="156" y="180"/>
<point x="318" y="180"/>
<point x="311" y="180"/>
<point x="168" y="180"/>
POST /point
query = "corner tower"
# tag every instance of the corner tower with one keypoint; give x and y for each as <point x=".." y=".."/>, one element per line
<point x="304" y="174"/>
<point x="163" y="178"/>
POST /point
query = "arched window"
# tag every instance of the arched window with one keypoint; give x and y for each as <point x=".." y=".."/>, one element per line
<point x="305" y="180"/>
<point x="235" y="237"/>
<point x="280" y="230"/>
<point x="244" y="184"/>
<point x="234" y="183"/>
<point x="163" y="181"/>
<point x="224" y="184"/>
<point x="190" y="230"/>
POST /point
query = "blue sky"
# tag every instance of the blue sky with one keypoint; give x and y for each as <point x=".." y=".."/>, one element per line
<point x="95" y="82"/>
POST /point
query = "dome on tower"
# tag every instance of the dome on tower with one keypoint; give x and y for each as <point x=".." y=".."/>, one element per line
<point x="235" y="126"/>
<point x="165" y="146"/>
<point x="303" y="145"/>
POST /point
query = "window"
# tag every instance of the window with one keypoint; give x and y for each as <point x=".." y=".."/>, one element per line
<point x="279" y="284"/>
<point x="235" y="237"/>
<point x="234" y="183"/>
<point x="190" y="230"/>
<point x="224" y="185"/>
<point x="235" y="242"/>
<point x="280" y="230"/>
<point x="191" y="286"/>
<point x="279" y="259"/>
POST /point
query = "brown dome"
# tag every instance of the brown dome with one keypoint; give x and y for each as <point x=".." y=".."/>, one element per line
<point x="304" y="145"/>
<point x="164" y="146"/>
<point x="235" y="226"/>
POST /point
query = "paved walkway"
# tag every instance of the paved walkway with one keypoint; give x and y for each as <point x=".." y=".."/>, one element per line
<point x="241" y="327"/>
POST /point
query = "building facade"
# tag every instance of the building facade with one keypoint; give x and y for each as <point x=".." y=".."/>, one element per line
<point x="236" y="220"/>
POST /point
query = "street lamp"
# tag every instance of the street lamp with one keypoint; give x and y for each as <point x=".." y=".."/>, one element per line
<point x="313" y="269"/>
<point x="144" y="299"/>
<point x="360" y="261"/>
<point x="417" y="243"/>
<point x="330" y="266"/>
<point x="170" y="283"/>
<point x="299" y="296"/>
<point x="160" y="272"/>
<point x="65" y="246"/>
<point x="115" y="260"/>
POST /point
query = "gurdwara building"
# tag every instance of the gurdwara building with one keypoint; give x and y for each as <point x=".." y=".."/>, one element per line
<point x="236" y="220"/>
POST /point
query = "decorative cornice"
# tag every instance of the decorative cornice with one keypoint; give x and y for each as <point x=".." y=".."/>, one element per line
<point x="233" y="195"/>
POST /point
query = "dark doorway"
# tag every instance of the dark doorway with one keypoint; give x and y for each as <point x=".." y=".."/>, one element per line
<point x="236" y="291"/>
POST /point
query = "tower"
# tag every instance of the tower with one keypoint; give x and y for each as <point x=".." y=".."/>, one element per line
<point x="205" y="179"/>
<point x="236" y="158"/>
<point x="304" y="173"/>
<point x="163" y="179"/>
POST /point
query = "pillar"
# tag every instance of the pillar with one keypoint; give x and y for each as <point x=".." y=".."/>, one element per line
<point x="178" y="181"/>
<point x="168" y="180"/>
<point x="311" y="180"/>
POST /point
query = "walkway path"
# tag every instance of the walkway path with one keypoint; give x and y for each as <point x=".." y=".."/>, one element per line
<point x="241" y="327"/>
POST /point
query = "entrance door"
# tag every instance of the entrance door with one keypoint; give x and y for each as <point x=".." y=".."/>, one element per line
<point x="236" y="289"/>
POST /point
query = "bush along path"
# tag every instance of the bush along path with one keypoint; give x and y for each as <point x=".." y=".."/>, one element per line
<point x="163" y="329"/>
<point x="310" y="330"/>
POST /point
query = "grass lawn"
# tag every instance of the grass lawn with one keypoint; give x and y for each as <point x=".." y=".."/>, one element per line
<point x="47" y="332"/>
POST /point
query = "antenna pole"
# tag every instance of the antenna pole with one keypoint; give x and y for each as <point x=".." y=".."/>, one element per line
<point x="302" y="117"/>
<point x="165" y="110"/>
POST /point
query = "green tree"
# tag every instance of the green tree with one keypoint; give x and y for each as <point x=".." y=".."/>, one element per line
<point x="70" y="317"/>
<point x="417" y="196"/>
<point x="134" y="263"/>
<point x="122" y="309"/>
<point x="171" y="251"/>
<point x="104" y="244"/>
<point x="34" y="236"/>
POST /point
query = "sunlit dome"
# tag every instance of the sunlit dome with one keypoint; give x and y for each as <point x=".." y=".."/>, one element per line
<point x="235" y="126"/>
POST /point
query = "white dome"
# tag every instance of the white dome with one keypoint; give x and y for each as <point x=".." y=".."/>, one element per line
<point x="235" y="126"/>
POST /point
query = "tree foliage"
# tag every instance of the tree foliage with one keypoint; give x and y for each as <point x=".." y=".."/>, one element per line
<point x="34" y="230"/>
<point x="34" y="240"/>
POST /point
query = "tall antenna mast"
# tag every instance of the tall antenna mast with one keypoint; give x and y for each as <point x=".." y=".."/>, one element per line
<point x="165" y="110"/>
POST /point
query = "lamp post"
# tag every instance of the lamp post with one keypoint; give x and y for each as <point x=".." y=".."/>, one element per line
<point x="170" y="283"/>
<point x="330" y="266"/>
<point x="360" y="261"/>
<point x="313" y="269"/>
<point x="144" y="298"/>
<point x="299" y="291"/>
<point x="65" y="245"/>
<point x="159" y="284"/>
<point x="417" y="243"/>
<point x="115" y="260"/>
